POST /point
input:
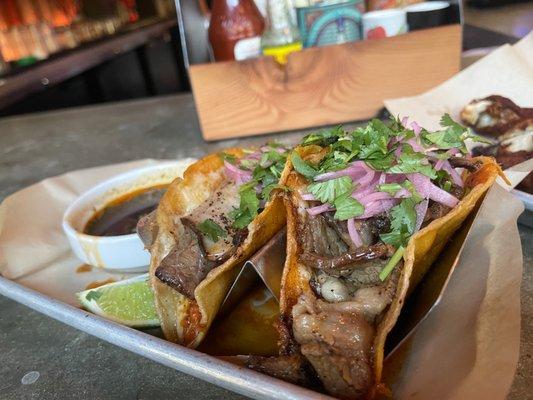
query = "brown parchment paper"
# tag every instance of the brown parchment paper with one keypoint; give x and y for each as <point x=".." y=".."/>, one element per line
<point x="466" y="348"/>
<point x="507" y="71"/>
<point x="33" y="248"/>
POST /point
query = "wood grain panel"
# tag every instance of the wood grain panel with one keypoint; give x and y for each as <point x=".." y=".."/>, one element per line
<point x="321" y="86"/>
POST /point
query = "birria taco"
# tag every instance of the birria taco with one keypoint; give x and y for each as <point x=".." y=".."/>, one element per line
<point x="206" y="225"/>
<point x="368" y="212"/>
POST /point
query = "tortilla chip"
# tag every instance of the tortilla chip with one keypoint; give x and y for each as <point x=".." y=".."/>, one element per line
<point x="422" y="250"/>
<point x="183" y="320"/>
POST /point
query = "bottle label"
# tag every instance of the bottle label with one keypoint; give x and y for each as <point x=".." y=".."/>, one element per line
<point x="247" y="48"/>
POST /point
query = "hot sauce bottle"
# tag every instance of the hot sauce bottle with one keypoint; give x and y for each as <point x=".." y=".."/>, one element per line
<point x="235" y="30"/>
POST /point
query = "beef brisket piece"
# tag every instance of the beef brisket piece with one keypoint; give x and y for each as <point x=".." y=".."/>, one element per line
<point x="186" y="265"/>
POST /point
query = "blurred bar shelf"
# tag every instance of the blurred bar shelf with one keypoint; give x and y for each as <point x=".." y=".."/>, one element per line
<point x="21" y="82"/>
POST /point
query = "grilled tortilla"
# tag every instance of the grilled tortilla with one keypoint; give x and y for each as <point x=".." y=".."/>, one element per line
<point x="344" y="340"/>
<point x="190" y="273"/>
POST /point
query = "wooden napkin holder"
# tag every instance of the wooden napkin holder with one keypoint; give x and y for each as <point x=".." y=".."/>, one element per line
<point x="322" y="85"/>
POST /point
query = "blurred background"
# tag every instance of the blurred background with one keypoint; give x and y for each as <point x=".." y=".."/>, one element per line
<point x="64" y="53"/>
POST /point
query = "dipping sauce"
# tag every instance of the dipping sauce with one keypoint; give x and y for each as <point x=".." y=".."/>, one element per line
<point x="247" y="329"/>
<point x="121" y="215"/>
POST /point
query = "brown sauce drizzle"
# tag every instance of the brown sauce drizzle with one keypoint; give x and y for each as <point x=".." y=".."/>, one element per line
<point x="96" y="284"/>
<point x="84" y="268"/>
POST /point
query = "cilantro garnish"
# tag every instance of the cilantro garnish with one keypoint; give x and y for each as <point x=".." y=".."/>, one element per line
<point x="347" y="207"/>
<point x="212" y="230"/>
<point x="387" y="148"/>
<point x="410" y="162"/>
<point x="228" y="157"/>
<point x="403" y="223"/>
<point x="394" y="260"/>
<point x="452" y="136"/>
<point x="323" y="138"/>
<point x="248" y="207"/>
<point x="265" y="178"/>
<point x="390" y="188"/>
<point x="328" y="191"/>
<point x="302" y="167"/>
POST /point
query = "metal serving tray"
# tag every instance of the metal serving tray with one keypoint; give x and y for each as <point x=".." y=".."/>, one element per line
<point x="419" y="333"/>
<point x="192" y="362"/>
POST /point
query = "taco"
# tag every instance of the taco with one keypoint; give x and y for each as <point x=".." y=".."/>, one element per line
<point x="368" y="212"/>
<point x="206" y="225"/>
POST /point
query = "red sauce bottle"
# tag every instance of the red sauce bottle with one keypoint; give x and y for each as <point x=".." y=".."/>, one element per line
<point x="235" y="30"/>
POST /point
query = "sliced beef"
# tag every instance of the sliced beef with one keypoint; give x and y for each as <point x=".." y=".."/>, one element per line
<point x="294" y="368"/>
<point x="217" y="208"/>
<point x="364" y="227"/>
<point x="337" y="337"/>
<point x="147" y="229"/>
<point x="186" y="265"/>
<point x="369" y="275"/>
<point x="317" y="236"/>
<point x="379" y="224"/>
<point x="338" y="344"/>
<point x="437" y="210"/>
<point x="347" y="260"/>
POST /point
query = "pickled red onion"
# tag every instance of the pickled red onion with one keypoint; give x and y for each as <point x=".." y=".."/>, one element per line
<point x="428" y="190"/>
<point x="319" y="209"/>
<point x="237" y="174"/>
<point x="354" y="235"/>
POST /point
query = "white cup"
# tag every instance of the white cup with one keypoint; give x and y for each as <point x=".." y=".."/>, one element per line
<point x="384" y="23"/>
<point x="123" y="253"/>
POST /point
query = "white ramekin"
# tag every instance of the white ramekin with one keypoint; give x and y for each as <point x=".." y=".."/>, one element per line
<point x="123" y="253"/>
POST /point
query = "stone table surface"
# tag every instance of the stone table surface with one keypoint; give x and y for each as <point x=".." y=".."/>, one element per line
<point x="73" y="364"/>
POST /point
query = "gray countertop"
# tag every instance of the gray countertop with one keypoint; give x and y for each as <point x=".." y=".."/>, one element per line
<point x="70" y="363"/>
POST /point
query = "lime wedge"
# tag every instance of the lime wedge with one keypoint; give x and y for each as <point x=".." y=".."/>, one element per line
<point x="129" y="302"/>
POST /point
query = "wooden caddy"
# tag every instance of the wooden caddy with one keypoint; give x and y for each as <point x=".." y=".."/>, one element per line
<point x="322" y="85"/>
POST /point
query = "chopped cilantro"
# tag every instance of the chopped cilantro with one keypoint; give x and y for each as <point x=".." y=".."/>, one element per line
<point x="265" y="178"/>
<point x="324" y="138"/>
<point x="248" y="208"/>
<point x="390" y="188"/>
<point x="347" y="207"/>
<point x="302" y="167"/>
<point x="411" y="162"/>
<point x="228" y="157"/>
<point x="452" y="136"/>
<point x="415" y="195"/>
<point x="270" y="157"/>
<point x="247" y="164"/>
<point x="394" y="260"/>
<point x="382" y="163"/>
<point x="328" y="191"/>
<point x="267" y="190"/>
<point x="212" y="230"/>
<point x="375" y="139"/>
<point x="403" y="223"/>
